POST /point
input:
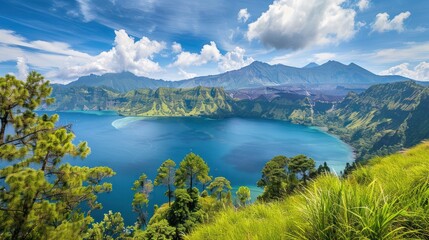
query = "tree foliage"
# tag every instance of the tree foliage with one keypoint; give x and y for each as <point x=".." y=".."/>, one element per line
<point x="243" y="195"/>
<point x="303" y="165"/>
<point x="192" y="169"/>
<point x="142" y="188"/>
<point x="166" y="176"/>
<point x="112" y="227"/>
<point x="220" y="187"/>
<point x="276" y="179"/>
<point x="185" y="212"/>
<point x="40" y="196"/>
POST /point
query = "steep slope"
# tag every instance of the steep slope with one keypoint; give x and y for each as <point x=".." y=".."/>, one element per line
<point x="199" y="101"/>
<point x="82" y="98"/>
<point x="381" y="120"/>
<point x="386" y="199"/>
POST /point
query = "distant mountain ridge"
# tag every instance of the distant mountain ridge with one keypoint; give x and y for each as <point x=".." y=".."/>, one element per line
<point x="257" y="74"/>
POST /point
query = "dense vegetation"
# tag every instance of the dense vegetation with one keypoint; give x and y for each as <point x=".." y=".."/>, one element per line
<point x="386" y="199"/>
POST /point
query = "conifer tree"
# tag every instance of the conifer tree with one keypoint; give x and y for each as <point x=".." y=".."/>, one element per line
<point x="192" y="169"/>
<point x="220" y="187"/>
<point x="166" y="175"/>
<point x="41" y="196"/>
<point x="142" y="187"/>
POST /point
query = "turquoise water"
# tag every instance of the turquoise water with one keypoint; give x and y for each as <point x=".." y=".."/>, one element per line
<point x="234" y="148"/>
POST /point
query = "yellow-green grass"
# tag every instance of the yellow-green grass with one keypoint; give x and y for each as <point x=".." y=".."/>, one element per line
<point x="386" y="199"/>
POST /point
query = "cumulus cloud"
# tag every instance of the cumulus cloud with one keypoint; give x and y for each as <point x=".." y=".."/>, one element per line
<point x="363" y="4"/>
<point x="209" y="53"/>
<point x="176" y="47"/>
<point x="290" y="24"/>
<point x="126" y="55"/>
<point x="382" y="22"/>
<point x="22" y="67"/>
<point x="234" y="59"/>
<point x="243" y="15"/>
<point x="419" y="72"/>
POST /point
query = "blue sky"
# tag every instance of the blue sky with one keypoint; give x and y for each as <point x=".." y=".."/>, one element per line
<point x="181" y="39"/>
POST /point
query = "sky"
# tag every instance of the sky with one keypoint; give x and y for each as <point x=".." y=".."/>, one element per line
<point x="180" y="39"/>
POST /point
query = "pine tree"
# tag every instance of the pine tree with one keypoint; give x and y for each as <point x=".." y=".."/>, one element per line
<point x="40" y="196"/>
<point x="166" y="175"/>
<point x="192" y="169"/>
<point x="142" y="188"/>
<point x="303" y="165"/>
<point x="276" y="179"/>
<point x="220" y="187"/>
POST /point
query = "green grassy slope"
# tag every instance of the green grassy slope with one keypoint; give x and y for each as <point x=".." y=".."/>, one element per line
<point x="386" y="199"/>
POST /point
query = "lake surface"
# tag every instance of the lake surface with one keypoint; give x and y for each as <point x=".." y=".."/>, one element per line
<point x="234" y="148"/>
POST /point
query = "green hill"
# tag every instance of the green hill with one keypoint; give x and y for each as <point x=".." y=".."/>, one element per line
<point x="383" y="119"/>
<point x="199" y="101"/>
<point x="386" y="199"/>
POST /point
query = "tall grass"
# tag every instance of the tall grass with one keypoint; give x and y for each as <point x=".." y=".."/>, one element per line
<point x="387" y="199"/>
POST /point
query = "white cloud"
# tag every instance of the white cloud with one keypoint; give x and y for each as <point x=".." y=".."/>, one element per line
<point x="363" y="5"/>
<point x="8" y="37"/>
<point x="22" y="67"/>
<point x="243" y="15"/>
<point x="126" y="55"/>
<point x="414" y="51"/>
<point x="323" y="57"/>
<point x="234" y="59"/>
<point x="176" y="47"/>
<point x="419" y="72"/>
<point x="291" y="24"/>
<point x="85" y="10"/>
<point x="186" y="75"/>
<point x="209" y="53"/>
<point x="382" y="22"/>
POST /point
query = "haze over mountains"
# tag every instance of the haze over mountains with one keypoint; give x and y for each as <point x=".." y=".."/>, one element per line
<point x="258" y="74"/>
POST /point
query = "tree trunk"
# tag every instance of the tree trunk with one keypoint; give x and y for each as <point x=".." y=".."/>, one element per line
<point x="3" y="127"/>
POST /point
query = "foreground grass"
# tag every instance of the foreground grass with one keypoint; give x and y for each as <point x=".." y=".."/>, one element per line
<point x="386" y="199"/>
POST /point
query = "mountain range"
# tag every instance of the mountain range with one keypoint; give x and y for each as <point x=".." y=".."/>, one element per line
<point x="258" y="74"/>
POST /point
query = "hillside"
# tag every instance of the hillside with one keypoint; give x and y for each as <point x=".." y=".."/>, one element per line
<point x="386" y="199"/>
<point x="381" y="120"/>
<point x="198" y="101"/>
<point x="258" y="74"/>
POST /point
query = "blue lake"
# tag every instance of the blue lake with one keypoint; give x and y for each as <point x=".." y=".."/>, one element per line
<point x="235" y="148"/>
